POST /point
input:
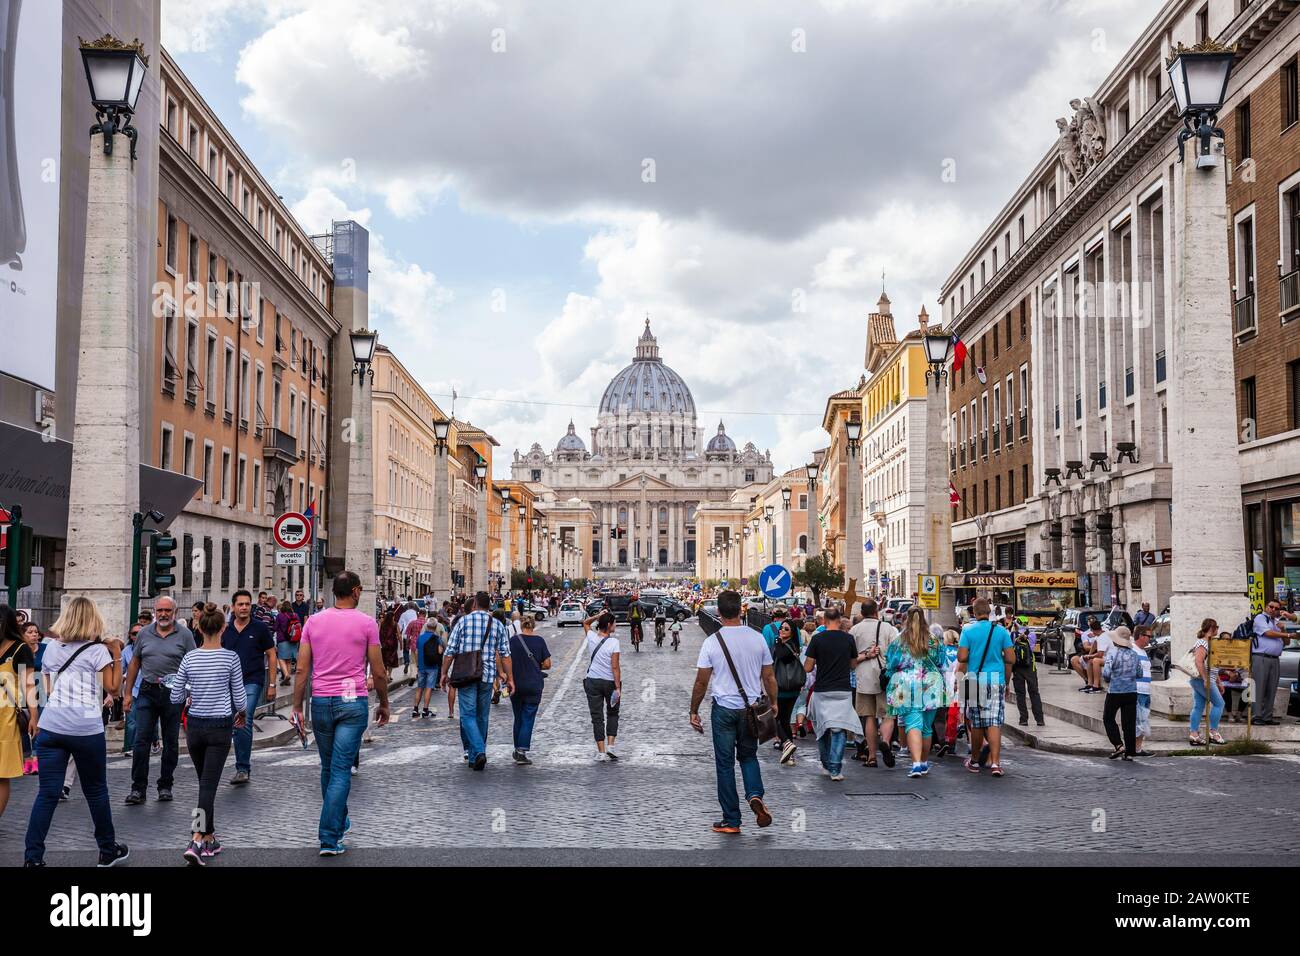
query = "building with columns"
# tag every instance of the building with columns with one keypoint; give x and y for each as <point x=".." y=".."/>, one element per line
<point x="894" y="454"/>
<point x="1067" y="302"/>
<point x="649" y="468"/>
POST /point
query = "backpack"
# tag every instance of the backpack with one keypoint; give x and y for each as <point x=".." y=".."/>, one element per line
<point x="790" y="675"/>
<point x="1246" y="632"/>
<point x="295" y="628"/>
<point x="1024" y="653"/>
<point x="432" y="658"/>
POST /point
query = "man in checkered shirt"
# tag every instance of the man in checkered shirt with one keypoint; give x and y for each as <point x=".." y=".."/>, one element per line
<point x="479" y="630"/>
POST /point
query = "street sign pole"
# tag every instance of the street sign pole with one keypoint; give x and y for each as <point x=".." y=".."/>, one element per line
<point x="311" y="574"/>
<point x="137" y="529"/>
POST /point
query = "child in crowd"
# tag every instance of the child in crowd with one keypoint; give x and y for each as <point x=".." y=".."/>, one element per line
<point x="1232" y="685"/>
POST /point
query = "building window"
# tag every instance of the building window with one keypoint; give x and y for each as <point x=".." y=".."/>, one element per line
<point x="192" y="264"/>
<point x="1290" y="95"/>
<point x="169" y="347"/>
<point x="1203" y="24"/>
<point x="1294" y="370"/>
<point x="803" y="502"/>
<point x="207" y="470"/>
<point x="1248" y="407"/>
<point x="1243" y="131"/>
<point x="749" y="476"/>
<point x="242" y="580"/>
<point x="165" y="449"/>
<point x="225" y="476"/>
<point x="194" y="142"/>
<point x="257" y="567"/>
<point x="186" y="560"/>
<point x="171" y="243"/>
<point x="229" y="391"/>
<point x="187" y="456"/>
<point x="1024" y="480"/>
<point x="225" y="564"/>
<point x="1020" y="226"/>
<point x="171" y="116"/>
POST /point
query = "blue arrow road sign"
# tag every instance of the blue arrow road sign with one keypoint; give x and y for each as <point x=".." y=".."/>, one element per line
<point x="774" y="581"/>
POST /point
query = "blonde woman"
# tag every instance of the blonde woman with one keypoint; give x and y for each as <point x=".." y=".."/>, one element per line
<point x="78" y="669"/>
<point x="917" y="689"/>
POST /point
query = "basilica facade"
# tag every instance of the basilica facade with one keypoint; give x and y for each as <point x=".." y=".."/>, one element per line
<point x="647" y="469"/>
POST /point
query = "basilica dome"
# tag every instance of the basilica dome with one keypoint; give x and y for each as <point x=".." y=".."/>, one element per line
<point x="571" y="441"/>
<point x="721" y="442"/>
<point x="647" y="385"/>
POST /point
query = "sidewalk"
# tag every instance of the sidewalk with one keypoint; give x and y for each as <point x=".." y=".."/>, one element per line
<point x="1074" y="724"/>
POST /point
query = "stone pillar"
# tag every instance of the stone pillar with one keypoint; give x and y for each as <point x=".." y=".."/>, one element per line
<point x="853" y="518"/>
<point x="654" y="535"/>
<point x="480" y="541"/>
<point x="440" y="588"/>
<point x="104" y="492"/>
<point x="787" y="546"/>
<point x="506" y="564"/>
<point x="1209" y="570"/>
<point x="643" y="520"/>
<point x="938" y="507"/>
<point x="814" y="539"/>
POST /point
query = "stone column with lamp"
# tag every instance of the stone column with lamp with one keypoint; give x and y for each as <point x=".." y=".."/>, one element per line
<point x="1209" y="566"/>
<point x="938" y="498"/>
<point x="853" y="543"/>
<point x="480" y="582"/>
<point x="505" y="564"/>
<point x="104" y="492"/>
<point x="814" y="540"/>
<point x="440" y="587"/>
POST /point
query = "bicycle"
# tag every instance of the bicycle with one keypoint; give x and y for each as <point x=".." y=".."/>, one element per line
<point x="636" y="636"/>
<point x="659" y="632"/>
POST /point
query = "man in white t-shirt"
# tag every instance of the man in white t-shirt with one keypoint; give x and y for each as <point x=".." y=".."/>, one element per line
<point x="733" y="739"/>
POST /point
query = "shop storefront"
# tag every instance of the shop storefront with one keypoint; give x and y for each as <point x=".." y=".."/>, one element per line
<point x="1272" y="522"/>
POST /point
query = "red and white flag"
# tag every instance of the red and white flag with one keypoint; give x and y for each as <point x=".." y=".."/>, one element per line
<point x="954" y="499"/>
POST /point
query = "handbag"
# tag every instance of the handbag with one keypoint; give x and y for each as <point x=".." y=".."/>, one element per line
<point x="1187" y="664"/>
<point x="21" y="710"/>
<point x="758" y="715"/>
<point x="883" y="676"/>
<point x="790" y="675"/>
<point x="467" y="666"/>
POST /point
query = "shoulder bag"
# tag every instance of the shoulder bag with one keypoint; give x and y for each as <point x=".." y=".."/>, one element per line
<point x="759" y="716"/>
<point x="587" y="676"/>
<point x="467" y="666"/>
<point x="21" y="710"/>
<point x="973" y="680"/>
<point x="883" y="677"/>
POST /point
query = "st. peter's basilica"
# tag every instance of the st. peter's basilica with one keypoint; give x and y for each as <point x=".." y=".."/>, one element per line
<point x="647" y="470"/>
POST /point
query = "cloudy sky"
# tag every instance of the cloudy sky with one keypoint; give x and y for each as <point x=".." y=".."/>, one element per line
<point x="538" y="176"/>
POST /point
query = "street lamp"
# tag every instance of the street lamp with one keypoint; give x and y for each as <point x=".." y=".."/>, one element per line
<point x="938" y="346"/>
<point x="853" y="428"/>
<point x="363" y="350"/>
<point x="785" y="498"/>
<point x="440" y="431"/>
<point x="505" y="500"/>
<point x="1199" y="78"/>
<point x="812" y="471"/>
<point x="767" y="513"/>
<point x="115" y="72"/>
<point x="480" y="472"/>
<point x="812" y="474"/>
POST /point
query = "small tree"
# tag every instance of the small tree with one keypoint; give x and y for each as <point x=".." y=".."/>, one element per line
<point x="818" y="574"/>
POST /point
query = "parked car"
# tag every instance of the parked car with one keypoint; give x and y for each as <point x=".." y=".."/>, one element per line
<point x="618" y="605"/>
<point x="571" y="612"/>
<point x="710" y="607"/>
<point x="676" y="610"/>
<point x="895" y="610"/>
<point x="595" y="607"/>
<point x="532" y="607"/>
<point x="1162" y="663"/>
<point x="1061" y="635"/>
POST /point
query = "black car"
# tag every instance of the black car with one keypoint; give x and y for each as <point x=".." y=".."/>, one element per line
<point x="674" y="610"/>
<point x="618" y="605"/>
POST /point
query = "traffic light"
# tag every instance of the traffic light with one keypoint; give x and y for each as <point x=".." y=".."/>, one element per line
<point x="18" y="557"/>
<point x="161" y="563"/>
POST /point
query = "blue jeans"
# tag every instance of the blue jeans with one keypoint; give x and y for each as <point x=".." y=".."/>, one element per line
<point x="128" y="734"/>
<point x="53" y="752"/>
<point x="475" y="705"/>
<point x="1198" y="705"/>
<point x="153" y="708"/>
<point x="525" y="716"/>
<point x="244" y="734"/>
<point x="830" y="746"/>
<point x="339" y="724"/>
<point x="732" y="741"/>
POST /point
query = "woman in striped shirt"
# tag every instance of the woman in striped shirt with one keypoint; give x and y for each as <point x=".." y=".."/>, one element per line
<point x="212" y="678"/>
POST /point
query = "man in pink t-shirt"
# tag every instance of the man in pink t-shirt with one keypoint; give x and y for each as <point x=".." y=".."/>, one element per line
<point x="336" y="646"/>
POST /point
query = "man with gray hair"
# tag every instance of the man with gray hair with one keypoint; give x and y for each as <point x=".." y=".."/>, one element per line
<point x="159" y="648"/>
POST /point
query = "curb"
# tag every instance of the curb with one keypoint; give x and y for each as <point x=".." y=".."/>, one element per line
<point x="1048" y="746"/>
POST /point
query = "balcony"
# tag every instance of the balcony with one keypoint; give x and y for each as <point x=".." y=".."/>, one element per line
<point x="1243" y="314"/>
<point x="280" y="446"/>
<point x="1289" y="292"/>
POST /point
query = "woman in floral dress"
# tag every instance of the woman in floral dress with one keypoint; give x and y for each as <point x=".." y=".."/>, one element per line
<point x="917" y="688"/>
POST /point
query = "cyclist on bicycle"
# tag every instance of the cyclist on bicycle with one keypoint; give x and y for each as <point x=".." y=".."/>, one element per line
<point x="661" y="624"/>
<point x="677" y="633"/>
<point x="634" y="618"/>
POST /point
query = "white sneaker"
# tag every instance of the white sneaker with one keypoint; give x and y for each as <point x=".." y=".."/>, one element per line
<point x="609" y="753"/>
<point x="600" y="757"/>
<point x="837" y="777"/>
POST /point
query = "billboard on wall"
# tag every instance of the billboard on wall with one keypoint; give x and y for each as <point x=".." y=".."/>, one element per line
<point x="30" y="61"/>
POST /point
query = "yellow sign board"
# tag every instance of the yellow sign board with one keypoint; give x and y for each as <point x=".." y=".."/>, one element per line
<point x="1256" y="591"/>
<point x="927" y="591"/>
<point x="1226" y="652"/>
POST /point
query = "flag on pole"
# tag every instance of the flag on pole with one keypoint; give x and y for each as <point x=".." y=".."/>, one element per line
<point x="760" y="544"/>
<point x="958" y="353"/>
<point x="310" y="513"/>
<point x="868" y="546"/>
<point x="954" y="499"/>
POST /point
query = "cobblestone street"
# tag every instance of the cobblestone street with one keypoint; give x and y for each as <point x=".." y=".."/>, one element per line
<point x="415" y="795"/>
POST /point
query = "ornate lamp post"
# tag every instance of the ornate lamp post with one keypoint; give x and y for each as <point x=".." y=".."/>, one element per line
<point x="441" y="563"/>
<point x="853" y="504"/>
<point x="104" y="492"/>
<point x="507" y="557"/>
<point x="1209" y="575"/>
<point x="814" y="542"/>
<point x="938" y="503"/>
